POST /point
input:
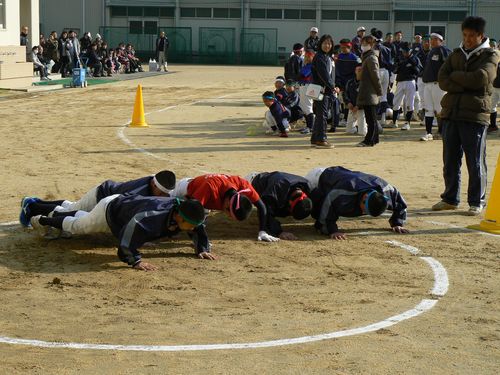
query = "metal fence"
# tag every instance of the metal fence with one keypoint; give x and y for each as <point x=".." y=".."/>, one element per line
<point x="217" y="45"/>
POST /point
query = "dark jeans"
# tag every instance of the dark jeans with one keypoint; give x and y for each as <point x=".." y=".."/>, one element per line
<point x="97" y="68"/>
<point x="371" y="137"/>
<point x="467" y="138"/>
<point x="321" y="111"/>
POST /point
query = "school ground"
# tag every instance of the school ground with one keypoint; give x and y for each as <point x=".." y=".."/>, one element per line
<point x="426" y="302"/>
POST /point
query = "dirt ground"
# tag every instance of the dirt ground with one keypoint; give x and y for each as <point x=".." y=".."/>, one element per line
<point x="60" y="144"/>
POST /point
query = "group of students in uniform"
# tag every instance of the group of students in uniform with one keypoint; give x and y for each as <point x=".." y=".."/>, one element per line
<point x="154" y="207"/>
<point x="407" y="85"/>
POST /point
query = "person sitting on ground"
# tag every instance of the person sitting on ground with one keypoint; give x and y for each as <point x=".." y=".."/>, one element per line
<point x="292" y="102"/>
<point x="122" y="57"/>
<point x="134" y="220"/>
<point x="356" y="118"/>
<point x="337" y="191"/>
<point x="38" y="65"/>
<point x="159" y="185"/>
<point x="47" y="62"/>
<point x="294" y="63"/>
<point x="284" y="194"/>
<point x="230" y="194"/>
<point x="276" y="118"/>
<point x="94" y="61"/>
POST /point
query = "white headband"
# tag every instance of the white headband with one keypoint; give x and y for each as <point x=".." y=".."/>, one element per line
<point x="160" y="186"/>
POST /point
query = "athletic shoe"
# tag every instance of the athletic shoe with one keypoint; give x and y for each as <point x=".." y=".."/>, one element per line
<point x="65" y="234"/>
<point x="443" y="206"/>
<point x="332" y="129"/>
<point x="392" y="125"/>
<point x="492" y="129"/>
<point x="362" y="144"/>
<point x="305" y="131"/>
<point x="474" y="211"/>
<point x="42" y="230"/>
<point x="427" y="137"/>
<point x="342" y="124"/>
<point x="323" y="144"/>
<point x="406" y="126"/>
<point x="25" y="215"/>
<point x="283" y="135"/>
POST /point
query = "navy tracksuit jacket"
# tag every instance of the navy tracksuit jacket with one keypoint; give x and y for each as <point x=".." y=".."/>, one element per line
<point x="338" y="193"/>
<point x="274" y="189"/>
<point x="141" y="186"/>
<point x="135" y="220"/>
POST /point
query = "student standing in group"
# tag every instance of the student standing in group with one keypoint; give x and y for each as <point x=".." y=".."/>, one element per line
<point x="294" y="63"/>
<point x="305" y="102"/>
<point x="311" y="43"/>
<point x="370" y="90"/>
<point x="432" y="92"/>
<point x="323" y="71"/>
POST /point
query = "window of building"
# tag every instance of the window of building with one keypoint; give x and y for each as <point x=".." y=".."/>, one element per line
<point x="457" y="16"/>
<point x="346" y="15"/>
<point x="188" y="12"/>
<point x="308" y="14"/>
<point x="234" y="13"/>
<point x="221" y="13"/>
<point x="327" y="14"/>
<point x="292" y="14"/>
<point x="380" y="15"/>
<point x="274" y="14"/>
<point x="2" y="14"/>
<point x="364" y="15"/>
<point x="134" y="11"/>
<point x="151" y="12"/>
<point x="421" y="15"/>
<point x="441" y="30"/>
<point x="167" y="12"/>
<point x="118" y="11"/>
<point x="257" y="13"/>
<point x="204" y="12"/>
<point x="135" y="27"/>
<point x="403" y="15"/>
<point x="439" y="15"/>
<point x="150" y="27"/>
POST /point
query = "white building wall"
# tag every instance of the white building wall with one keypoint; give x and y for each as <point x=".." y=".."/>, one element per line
<point x="9" y="35"/>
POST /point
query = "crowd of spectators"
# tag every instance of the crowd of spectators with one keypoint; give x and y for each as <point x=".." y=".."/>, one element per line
<point x="61" y="54"/>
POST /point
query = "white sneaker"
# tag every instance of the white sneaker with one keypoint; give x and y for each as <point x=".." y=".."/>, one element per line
<point x="342" y="124"/>
<point x="406" y="126"/>
<point x="474" y="211"/>
<point x="42" y="230"/>
<point x="427" y="137"/>
<point x="392" y="125"/>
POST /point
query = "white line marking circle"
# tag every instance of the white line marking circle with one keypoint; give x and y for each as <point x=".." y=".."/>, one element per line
<point x="439" y="290"/>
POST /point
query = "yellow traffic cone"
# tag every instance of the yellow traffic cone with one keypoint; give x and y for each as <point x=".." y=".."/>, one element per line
<point x="491" y="222"/>
<point x="138" y="118"/>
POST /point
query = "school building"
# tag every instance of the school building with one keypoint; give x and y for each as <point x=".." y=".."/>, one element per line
<point x="256" y="31"/>
<point x="15" y="72"/>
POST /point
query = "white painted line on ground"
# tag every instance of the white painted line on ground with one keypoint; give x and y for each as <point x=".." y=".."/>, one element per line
<point x="132" y="145"/>
<point x="9" y="223"/>
<point x="413" y="250"/>
<point x="440" y="288"/>
<point x="440" y="277"/>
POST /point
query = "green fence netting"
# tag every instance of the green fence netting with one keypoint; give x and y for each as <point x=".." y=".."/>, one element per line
<point x="180" y="38"/>
<point x="259" y="46"/>
<point x="217" y="45"/>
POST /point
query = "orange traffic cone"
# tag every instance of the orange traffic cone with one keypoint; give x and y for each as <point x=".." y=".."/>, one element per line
<point x="491" y="222"/>
<point x="138" y="118"/>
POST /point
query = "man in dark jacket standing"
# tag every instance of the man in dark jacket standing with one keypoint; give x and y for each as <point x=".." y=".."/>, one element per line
<point x="294" y="63"/>
<point x="467" y="77"/>
<point x="162" y="45"/>
<point x="311" y="43"/>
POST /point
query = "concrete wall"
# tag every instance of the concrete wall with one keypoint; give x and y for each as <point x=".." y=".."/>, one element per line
<point x="9" y="35"/>
<point x="491" y="14"/>
<point x="79" y="15"/>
